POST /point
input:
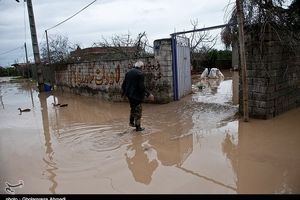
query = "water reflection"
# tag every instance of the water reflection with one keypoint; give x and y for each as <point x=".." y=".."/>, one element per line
<point x="209" y="179"/>
<point x="201" y="145"/>
<point x="212" y="85"/>
<point x="49" y="158"/>
<point x="213" y="91"/>
<point x="166" y="141"/>
<point x="235" y="87"/>
<point x="139" y="162"/>
<point x="172" y="150"/>
<point x="1" y="101"/>
<point x="263" y="155"/>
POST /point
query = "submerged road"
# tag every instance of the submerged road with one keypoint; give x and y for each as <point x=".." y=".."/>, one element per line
<point x="193" y="146"/>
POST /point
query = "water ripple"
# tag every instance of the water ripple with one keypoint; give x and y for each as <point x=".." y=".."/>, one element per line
<point x="94" y="137"/>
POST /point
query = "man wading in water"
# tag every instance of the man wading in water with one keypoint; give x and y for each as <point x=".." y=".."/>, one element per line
<point x="133" y="87"/>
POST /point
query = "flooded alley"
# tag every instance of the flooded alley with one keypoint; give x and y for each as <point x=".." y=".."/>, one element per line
<point x="196" y="145"/>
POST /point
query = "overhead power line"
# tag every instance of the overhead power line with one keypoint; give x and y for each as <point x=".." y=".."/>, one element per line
<point x="72" y="15"/>
<point x="11" y="50"/>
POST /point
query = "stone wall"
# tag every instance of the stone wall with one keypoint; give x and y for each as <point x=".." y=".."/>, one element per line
<point x="273" y="74"/>
<point x="104" y="78"/>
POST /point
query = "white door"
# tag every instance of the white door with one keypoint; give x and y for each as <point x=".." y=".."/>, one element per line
<point x="184" y="81"/>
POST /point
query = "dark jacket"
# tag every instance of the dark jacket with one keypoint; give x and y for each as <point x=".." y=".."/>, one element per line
<point x="133" y="85"/>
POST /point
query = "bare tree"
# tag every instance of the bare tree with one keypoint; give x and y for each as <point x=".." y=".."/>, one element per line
<point x="127" y="46"/>
<point x="283" y="19"/>
<point x="59" y="47"/>
<point x="201" y="43"/>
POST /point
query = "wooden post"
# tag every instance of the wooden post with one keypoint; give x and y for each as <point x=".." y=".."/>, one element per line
<point x="240" y="19"/>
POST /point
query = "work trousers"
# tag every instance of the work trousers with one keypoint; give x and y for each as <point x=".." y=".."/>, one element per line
<point x="135" y="112"/>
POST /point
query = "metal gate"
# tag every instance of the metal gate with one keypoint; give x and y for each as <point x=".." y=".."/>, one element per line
<point x="182" y="83"/>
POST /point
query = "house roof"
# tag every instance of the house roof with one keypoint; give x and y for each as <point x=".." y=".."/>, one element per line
<point x="102" y="50"/>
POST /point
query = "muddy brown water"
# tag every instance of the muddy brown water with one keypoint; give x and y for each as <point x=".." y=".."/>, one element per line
<point x="195" y="145"/>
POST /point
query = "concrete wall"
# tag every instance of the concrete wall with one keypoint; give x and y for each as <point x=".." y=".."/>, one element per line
<point x="273" y="74"/>
<point x="104" y="78"/>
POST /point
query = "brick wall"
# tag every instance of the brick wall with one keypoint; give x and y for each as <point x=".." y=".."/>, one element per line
<point x="104" y="78"/>
<point x="273" y="74"/>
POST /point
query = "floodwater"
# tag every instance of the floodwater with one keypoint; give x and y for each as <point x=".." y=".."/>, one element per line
<point x="195" y="145"/>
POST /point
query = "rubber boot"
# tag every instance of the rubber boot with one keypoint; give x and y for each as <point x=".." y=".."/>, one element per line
<point x="131" y="122"/>
<point x="139" y="128"/>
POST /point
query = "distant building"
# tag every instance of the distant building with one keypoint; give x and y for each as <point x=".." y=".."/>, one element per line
<point x="23" y="69"/>
<point x="104" y="53"/>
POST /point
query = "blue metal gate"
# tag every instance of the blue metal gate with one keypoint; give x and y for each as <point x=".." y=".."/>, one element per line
<point x="182" y="82"/>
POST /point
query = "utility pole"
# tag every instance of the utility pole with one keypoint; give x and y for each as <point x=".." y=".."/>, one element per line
<point x="48" y="50"/>
<point x="25" y="47"/>
<point x="240" y="19"/>
<point x="35" y="46"/>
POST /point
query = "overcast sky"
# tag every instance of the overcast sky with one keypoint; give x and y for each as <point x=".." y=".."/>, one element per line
<point x="158" y="18"/>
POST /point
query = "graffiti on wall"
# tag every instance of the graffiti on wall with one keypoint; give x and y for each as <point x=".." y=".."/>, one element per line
<point x="79" y="77"/>
<point x="152" y="73"/>
<point x="107" y="77"/>
<point x="152" y="76"/>
<point x="95" y="75"/>
<point x="91" y="74"/>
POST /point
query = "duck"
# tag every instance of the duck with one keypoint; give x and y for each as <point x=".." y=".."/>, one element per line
<point x="24" y="110"/>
